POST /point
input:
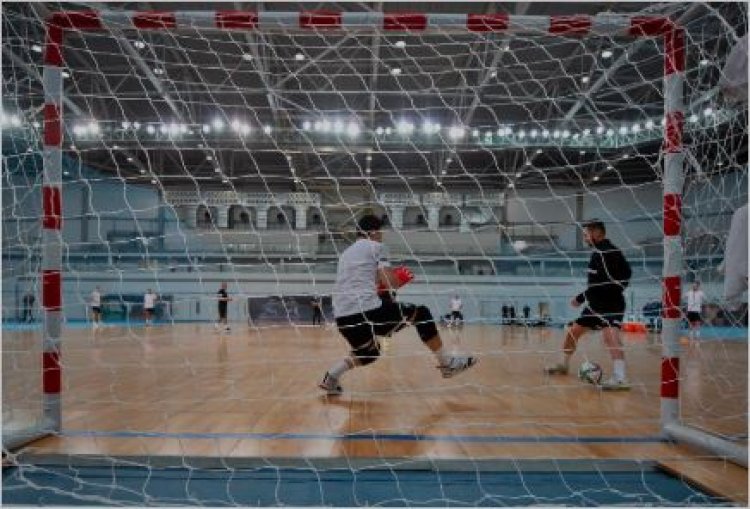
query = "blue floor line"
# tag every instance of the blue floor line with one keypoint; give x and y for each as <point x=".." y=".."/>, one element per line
<point x="368" y="436"/>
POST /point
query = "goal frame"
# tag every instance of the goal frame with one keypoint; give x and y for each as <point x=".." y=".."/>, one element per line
<point x="63" y="23"/>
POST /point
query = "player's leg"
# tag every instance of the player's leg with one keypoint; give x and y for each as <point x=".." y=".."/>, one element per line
<point x="573" y="333"/>
<point x="421" y="317"/>
<point x="359" y="332"/>
<point x="613" y="342"/>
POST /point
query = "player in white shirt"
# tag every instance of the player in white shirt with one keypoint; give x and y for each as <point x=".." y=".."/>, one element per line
<point x="149" y="303"/>
<point x="96" y="307"/>
<point x="457" y="317"/>
<point x="695" y="298"/>
<point x="361" y="315"/>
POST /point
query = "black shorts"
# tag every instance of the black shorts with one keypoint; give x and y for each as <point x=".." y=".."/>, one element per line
<point x="96" y="309"/>
<point x="694" y="316"/>
<point x="457" y="315"/>
<point x="602" y="317"/>
<point x="222" y="312"/>
<point x="149" y="311"/>
<point x="361" y="328"/>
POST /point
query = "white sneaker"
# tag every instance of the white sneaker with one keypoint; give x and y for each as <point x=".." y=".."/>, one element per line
<point x="331" y="385"/>
<point x="457" y="364"/>
<point x="615" y="384"/>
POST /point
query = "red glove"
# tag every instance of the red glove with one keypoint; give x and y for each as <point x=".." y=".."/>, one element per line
<point x="403" y="276"/>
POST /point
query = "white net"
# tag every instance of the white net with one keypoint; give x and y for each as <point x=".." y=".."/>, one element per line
<point x="194" y="157"/>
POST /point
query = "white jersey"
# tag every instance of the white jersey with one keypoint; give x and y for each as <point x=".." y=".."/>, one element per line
<point x="149" y="300"/>
<point x="355" y="290"/>
<point x="96" y="299"/>
<point x="456" y="304"/>
<point x="695" y="301"/>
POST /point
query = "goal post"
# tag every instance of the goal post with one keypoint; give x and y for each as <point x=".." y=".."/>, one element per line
<point x="64" y="24"/>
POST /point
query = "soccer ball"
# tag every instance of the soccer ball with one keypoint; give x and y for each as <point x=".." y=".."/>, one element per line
<point x="590" y="372"/>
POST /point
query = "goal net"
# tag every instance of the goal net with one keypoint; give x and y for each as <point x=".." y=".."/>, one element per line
<point x="176" y="151"/>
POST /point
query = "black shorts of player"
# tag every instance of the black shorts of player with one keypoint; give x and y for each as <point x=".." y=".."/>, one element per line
<point x="457" y="315"/>
<point x="222" y="312"/>
<point x="150" y="311"/>
<point x="361" y="328"/>
<point x="602" y="317"/>
<point x="694" y="316"/>
<point x="96" y="309"/>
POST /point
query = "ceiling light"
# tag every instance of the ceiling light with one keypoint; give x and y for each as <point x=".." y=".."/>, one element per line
<point x="139" y="44"/>
<point x="649" y="124"/>
<point x="130" y="159"/>
<point x="693" y="118"/>
<point x="299" y="57"/>
<point x="306" y="125"/>
<point x="395" y="71"/>
<point x="218" y="124"/>
<point x="247" y="57"/>
<point x="400" y="44"/>
<point x="36" y="48"/>
<point x="267" y="129"/>
<point x="456" y="132"/>
<point x="143" y="172"/>
<point x="606" y="53"/>
<point x="150" y="129"/>
<point x="704" y="62"/>
<point x="65" y="74"/>
<point x="708" y="112"/>
<point x="585" y="79"/>
<point x="379" y="131"/>
<point x="596" y="178"/>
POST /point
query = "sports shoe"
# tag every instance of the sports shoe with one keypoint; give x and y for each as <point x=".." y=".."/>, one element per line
<point x="331" y="385"/>
<point x="557" y="369"/>
<point x="457" y="364"/>
<point x="227" y="328"/>
<point x="614" y="384"/>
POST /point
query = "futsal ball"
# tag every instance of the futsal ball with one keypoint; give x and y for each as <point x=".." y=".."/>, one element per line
<point x="590" y="372"/>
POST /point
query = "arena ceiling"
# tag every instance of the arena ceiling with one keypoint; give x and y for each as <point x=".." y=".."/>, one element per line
<point x="195" y="81"/>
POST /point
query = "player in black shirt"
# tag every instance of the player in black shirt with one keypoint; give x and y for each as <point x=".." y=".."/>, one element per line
<point x="608" y="276"/>
<point x="223" y="298"/>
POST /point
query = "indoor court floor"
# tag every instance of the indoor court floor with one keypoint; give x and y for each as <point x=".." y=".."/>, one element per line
<point x="186" y="390"/>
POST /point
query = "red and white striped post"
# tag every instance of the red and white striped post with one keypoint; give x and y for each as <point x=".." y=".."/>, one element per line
<point x="52" y="228"/>
<point x="607" y="24"/>
<point x="674" y="158"/>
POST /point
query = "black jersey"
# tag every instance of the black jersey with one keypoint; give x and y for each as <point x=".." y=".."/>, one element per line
<point x="223" y="298"/>
<point x="608" y="275"/>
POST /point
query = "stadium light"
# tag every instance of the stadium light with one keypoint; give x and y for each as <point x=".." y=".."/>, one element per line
<point x="534" y="133"/>
<point x="353" y="130"/>
<point x="401" y="44"/>
<point x="623" y="130"/>
<point x="456" y="132"/>
<point x="708" y="112"/>
<point x="150" y="129"/>
<point x="636" y="128"/>
<point x="395" y="71"/>
<point x="606" y="53"/>
<point x="36" y="48"/>
<point x="379" y="131"/>
<point x="218" y="124"/>
<point x="306" y="125"/>
<point x="267" y="129"/>
<point x="139" y="44"/>
<point x="299" y="57"/>
<point x="649" y="124"/>
<point x="693" y="118"/>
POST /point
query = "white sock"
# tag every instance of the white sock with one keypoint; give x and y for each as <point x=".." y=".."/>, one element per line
<point x="443" y="357"/>
<point x="340" y="368"/>
<point x="619" y="369"/>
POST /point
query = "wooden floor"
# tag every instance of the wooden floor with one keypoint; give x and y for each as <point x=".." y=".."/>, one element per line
<point x="187" y="390"/>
